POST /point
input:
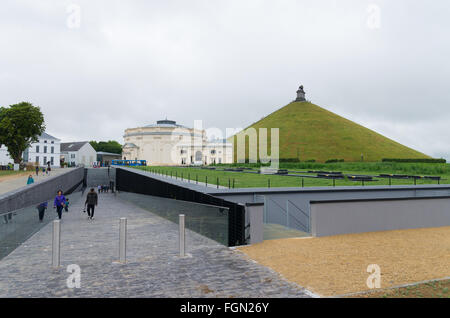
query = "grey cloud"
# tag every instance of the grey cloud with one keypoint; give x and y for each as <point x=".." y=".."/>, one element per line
<point x="228" y="63"/>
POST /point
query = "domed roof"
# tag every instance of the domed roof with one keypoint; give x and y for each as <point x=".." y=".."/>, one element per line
<point x="166" y="123"/>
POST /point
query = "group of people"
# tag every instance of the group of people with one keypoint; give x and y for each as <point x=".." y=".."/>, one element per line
<point x="103" y="188"/>
<point x="44" y="170"/>
<point x="61" y="203"/>
<point x="47" y="170"/>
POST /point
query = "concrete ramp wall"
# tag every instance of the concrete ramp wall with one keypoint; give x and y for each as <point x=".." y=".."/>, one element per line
<point x="42" y="191"/>
<point x="99" y="176"/>
<point x="357" y="216"/>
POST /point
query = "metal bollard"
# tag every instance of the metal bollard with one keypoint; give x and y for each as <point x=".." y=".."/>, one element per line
<point x="182" y="235"/>
<point x="123" y="240"/>
<point x="56" y="244"/>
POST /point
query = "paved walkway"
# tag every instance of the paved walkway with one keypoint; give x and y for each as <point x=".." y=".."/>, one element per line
<point x="10" y="183"/>
<point x="153" y="268"/>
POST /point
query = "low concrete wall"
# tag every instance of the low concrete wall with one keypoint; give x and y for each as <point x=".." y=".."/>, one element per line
<point x="255" y="218"/>
<point x="99" y="176"/>
<point x="40" y="192"/>
<point x="357" y="216"/>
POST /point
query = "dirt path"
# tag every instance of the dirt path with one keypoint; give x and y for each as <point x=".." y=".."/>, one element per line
<point x="19" y="180"/>
<point x="337" y="265"/>
<point x="13" y="176"/>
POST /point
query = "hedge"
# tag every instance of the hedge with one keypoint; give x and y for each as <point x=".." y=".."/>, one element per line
<point x="334" y="160"/>
<point x="424" y="160"/>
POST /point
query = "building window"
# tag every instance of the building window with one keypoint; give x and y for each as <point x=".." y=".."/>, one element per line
<point x="53" y="142"/>
<point x="37" y="159"/>
<point x="45" y="141"/>
<point x="213" y="152"/>
<point x="52" y="160"/>
<point x="72" y="155"/>
<point x="183" y="151"/>
<point x="37" y="149"/>
<point x="52" y="149"/>
<point x="183" y="161"/>
<point x="45" y="149"/>
<point x="45" y="161"/>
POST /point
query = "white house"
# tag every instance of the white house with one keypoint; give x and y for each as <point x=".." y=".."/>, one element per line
<point x="47" y="149"/>
<point x="78" y="153"/>
<point x="5" y="158"/>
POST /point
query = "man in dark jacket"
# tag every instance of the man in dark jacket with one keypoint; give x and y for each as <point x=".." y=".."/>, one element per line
<point x="91" y="202"/>
<point x="41" y="209"/>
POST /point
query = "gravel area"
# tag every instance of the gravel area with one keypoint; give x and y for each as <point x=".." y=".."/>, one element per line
<point x="337" y="265"/>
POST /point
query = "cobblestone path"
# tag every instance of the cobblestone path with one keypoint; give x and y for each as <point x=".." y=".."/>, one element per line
<point x="153" y="268"/>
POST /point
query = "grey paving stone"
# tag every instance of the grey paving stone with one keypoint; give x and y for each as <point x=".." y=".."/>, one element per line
<point x="153" y="268"/>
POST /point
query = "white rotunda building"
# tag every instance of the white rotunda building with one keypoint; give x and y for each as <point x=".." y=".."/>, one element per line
<point x="167" y="143"/>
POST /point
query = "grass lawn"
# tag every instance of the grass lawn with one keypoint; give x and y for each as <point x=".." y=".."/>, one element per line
<point x="437" y="289"/>
<point x="250" y="180"/>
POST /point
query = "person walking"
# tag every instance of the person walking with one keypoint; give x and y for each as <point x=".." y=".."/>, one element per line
<point x="91" y="203"/>
<point x="59" y="203"/>
<point x="66" y="206"/>
<point x="41" y="209"/>
<point x="30" y="179"/>
<point x="37" y="171"/>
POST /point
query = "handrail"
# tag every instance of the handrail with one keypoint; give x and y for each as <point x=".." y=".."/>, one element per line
<point x="306" y="214"/>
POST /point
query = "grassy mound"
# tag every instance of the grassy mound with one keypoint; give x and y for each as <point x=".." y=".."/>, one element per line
<point x="308" y="132"/>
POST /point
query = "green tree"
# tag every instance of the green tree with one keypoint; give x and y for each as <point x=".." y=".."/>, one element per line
<point x="107" y="146"/>
<point x="20" y="125"/>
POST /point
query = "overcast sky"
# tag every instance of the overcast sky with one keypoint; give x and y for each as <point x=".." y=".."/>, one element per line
<point x="99" y="67"/>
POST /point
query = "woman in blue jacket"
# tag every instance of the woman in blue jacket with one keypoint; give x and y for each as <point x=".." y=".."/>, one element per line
<point x="59" y="203"/>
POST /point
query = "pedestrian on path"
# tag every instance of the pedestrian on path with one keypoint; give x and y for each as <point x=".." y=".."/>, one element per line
<point x="41" y="209"/>
<point x="37" y="171"/>
<point x="59" y="203"/>
<point x="91" y="203"/>
<point x="30" y="179"/>
<point x="66" y="207"/>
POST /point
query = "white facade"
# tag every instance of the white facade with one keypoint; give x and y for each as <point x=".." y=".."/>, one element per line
<point x="47" y="149"/>
<point x="5" y="159"/>
<point x="167" y="143"/>
<point x="78" y="153"/>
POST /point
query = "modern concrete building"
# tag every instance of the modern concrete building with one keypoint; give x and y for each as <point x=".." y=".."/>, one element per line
<point x="105" y="158"/>
<point x="46" y="150"/>
<point x="78" y="153"/>
<point x="168" y="143"/>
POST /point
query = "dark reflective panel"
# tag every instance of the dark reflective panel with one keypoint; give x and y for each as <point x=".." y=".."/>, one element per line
<point x="207" y="220"/>
<point x="19" y="225"/>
